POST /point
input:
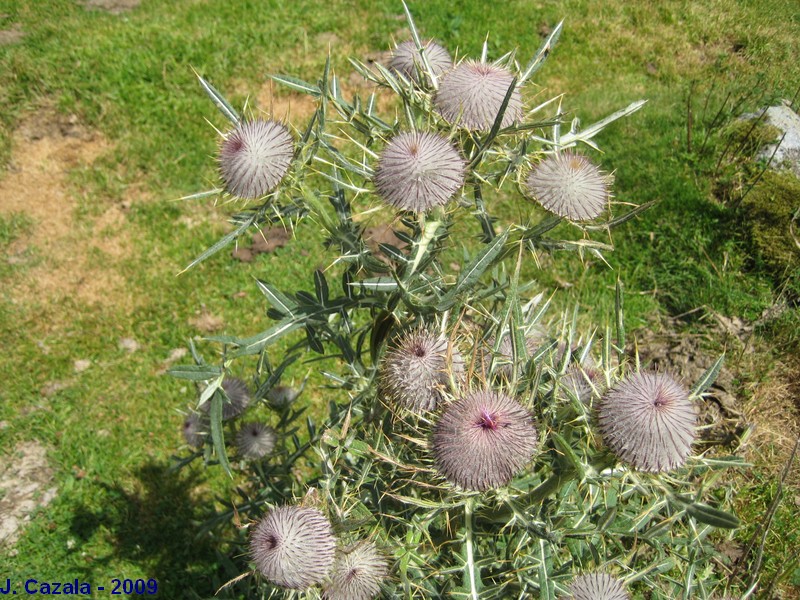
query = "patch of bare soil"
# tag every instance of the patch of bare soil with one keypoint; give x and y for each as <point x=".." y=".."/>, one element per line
<point x="66" y="258"/>
<point x="11" y="36"/>
<point x="115" y="7"/>
<point x="25" y="485"/>
<point x="767" y="409"/>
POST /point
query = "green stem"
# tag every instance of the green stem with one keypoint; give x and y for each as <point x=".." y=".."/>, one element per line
<point x="473" y="581"/>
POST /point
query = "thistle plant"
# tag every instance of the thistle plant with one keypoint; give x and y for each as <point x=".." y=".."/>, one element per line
<point x="467" y="443"/>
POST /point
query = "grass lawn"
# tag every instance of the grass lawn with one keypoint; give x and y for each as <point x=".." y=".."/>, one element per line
<point x="104" y="125"/>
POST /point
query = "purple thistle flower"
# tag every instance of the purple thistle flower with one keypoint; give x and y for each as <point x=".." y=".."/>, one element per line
<point x="254" y="157"/>
<point x="293" y="546"/>
<point x="255" y="440"/>
<point x="193" y="430"/>
<point x="483" y="439"/>
<point x="418" y="170"/>
<point x="648" y="421"/>
<point x="570" y="186"/>
<point x="407" y="60"/>
<point x="471" y="96"/>
<point x="357" y="574"/>
<point x="415" y="372"/>
<point x="597" y="586"/>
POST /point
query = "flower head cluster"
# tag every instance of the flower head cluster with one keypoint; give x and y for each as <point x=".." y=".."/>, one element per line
<point x="407" y="60"/>
<point x="415" y="372"/>
<point x="648" y="421"/>
<point x="483" y="439"/>
<point x="597" y="586"/>
<point x="293" y="546"/>
<point x="472" y="94"/>
<point x="255" y="440"/>
<point x="254" y="157"/>
<point x="570" y="186"/>
<point x="357" y="574"/>
<point x="419" y="170"/>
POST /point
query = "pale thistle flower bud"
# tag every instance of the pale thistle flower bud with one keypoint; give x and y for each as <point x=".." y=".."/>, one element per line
<point x="357" y="574"/>
<point x="483" y="439"/>
<point x="254" y="157"/>
<point x="193" y="430"/>
<point x="570" y="186"/>
<point x="407" y="60"/>
<point x="472" y="94"/>
<point x="414" y="373"/>
<point x="418" y="170"/>
<point x="504" y="356"/>
<point x="597" y="586"/>
<point x="584" y="380"/>
<point x="238" y="398"/>
<point x="293" y="546"/>
<point x="255" y="440"/>
<point x="281" y="397"/>
<point x="648" y="421"/>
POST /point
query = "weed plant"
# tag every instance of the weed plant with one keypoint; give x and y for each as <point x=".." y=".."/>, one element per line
<point x="474" y="446"/>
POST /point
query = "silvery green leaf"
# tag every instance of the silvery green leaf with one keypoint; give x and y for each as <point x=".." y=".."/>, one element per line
<point x="224" y="107"/>
<point x="541" y="55"/>
<point x="587" y="134"/>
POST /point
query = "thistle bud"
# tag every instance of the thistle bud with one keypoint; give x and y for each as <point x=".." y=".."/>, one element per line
<point x="483" y="439"/>
<point x="570" y="186"/>
<point x="254" y="157"/>
<point x="472" y="94"/>
<point x="357" y="574"/>
<point x="597" y="586"/>
<point x="293" y="546"/>
<point x="407" y="60"/>
<point x="414" y="373"/>
<point x="648" y="421"/>
<point x="255" y="440"/>
<point x="417" y="171"/>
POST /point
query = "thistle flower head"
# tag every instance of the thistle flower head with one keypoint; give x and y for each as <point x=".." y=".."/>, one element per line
<point x="503" y="358"/>
<point x="293" y="546"/>
<point x="584" y="380"/>
<point x="570" y="186"/>
<point x="407" y="60"/>
<point x="254" y="157"/>
<point x="418" y="170"/>
<point x="282" y="396"/>
<point x="471" y="96"/>
<point x="357" y="574"/>
<point x="255" y="440"/>
<point x="648" y="421"/>
<point x="414" y="373"/>
<point x="193" y="430"/>
<point x="597" y="586"/>
<point x="238" y="398"/>
<point x="483" y="439"/>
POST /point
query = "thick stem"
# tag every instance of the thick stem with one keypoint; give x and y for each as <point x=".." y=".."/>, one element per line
<point x="473" y="580"/>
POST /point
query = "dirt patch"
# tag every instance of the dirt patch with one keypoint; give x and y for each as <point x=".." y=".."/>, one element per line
<point x="25" y="485"/>
<point x="10" y="36"/>
<point x="65" y="257"/>
<point x="115" y="7"/>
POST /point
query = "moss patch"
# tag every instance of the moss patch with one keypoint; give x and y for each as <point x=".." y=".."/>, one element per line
<point x="769" y="210"/>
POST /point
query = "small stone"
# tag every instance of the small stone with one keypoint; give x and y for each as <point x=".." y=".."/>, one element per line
<point x="129" y="344"/>
<point x="81" y="365"/>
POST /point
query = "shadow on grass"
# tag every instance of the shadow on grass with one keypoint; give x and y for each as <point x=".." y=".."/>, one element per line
<point x="155" y="527"/>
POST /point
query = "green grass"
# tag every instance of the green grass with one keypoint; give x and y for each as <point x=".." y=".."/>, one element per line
<point x="112" y="428"/>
